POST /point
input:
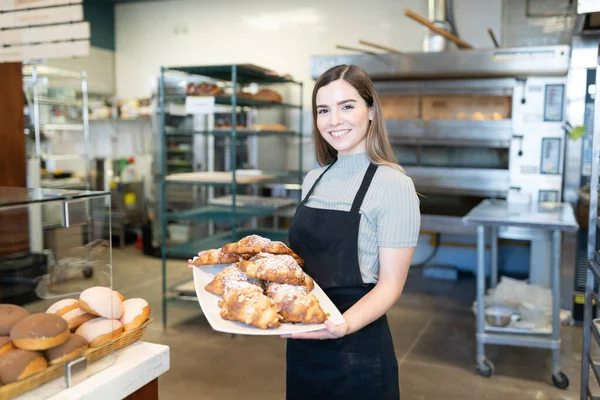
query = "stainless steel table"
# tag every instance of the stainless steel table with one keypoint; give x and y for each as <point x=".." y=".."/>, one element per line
<point x="549" y="217"/>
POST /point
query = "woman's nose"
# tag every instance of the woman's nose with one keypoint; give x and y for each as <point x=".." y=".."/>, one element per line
<point x="336" y="118"/>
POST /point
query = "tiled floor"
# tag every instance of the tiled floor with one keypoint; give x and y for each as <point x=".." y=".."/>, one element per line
<point x="432" y="326"/>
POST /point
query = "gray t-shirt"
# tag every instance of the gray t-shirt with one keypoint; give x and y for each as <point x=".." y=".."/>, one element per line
<point x="390" y="215"/>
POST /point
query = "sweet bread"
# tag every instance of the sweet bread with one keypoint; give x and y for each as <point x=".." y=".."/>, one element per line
<point x="268" y="95"/>
<point x="100" y="330"/>
<point x="10" y="314"/>
<point x="246" y="303"/>
<point x="296" y="303"/>
<point x="215" y="257"/>
<point x="135" y="313"/>
<point x="102" y="302"/>
<point x="75" y="318"/>
<point x="225" y="278"/>
<point x="254" y="244"/>
<point x="280" y="268"/>
<point x="40" y="332"/>
<point x="73" y="347"/>
<point x="5" y="345"/>
<point x="20" y="364"/>
<point x="62" y="307"/>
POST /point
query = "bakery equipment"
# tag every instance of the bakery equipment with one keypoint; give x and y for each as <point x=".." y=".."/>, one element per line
<point x="469" y="125"/>
<point x="498" y="315"/>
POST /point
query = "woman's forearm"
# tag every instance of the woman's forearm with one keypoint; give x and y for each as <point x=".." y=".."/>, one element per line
<point x="373" y="305"/>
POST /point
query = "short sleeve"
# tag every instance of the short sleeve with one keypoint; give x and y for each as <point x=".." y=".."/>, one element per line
<point x="399" y="217"/>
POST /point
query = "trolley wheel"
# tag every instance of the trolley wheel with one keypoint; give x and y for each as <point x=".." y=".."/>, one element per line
<point x="560" y="380"/>
<point x="485" y="368"/>
<point x="88" y="272"/>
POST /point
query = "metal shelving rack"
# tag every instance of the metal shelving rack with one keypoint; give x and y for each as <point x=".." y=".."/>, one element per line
<point x="33" y="79"/>
<point x="233" y="77"/>
<point x="591" y="328"/>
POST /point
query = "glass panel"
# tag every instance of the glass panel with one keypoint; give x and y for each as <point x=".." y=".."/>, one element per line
<point x="464" y="157"/>
<point x="13" y="196"/>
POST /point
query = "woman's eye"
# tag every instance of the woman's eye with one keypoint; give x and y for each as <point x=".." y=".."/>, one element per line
<point x="322" y="111"/>
<point x="347" y="107"/>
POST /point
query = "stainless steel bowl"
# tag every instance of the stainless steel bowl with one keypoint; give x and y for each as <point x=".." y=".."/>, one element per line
<point x="498" y="315"/>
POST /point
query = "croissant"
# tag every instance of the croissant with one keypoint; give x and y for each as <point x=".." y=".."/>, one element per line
<point x="227" y="277"/>
<point x="246" y="303"/>
<point x="296" y="303"/>
<point x="254" y="244"/>
<point x="280" y="268"/>
<point x="217" y="256"/>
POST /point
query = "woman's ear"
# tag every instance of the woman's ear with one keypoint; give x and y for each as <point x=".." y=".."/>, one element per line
<point x="371" y="113"/>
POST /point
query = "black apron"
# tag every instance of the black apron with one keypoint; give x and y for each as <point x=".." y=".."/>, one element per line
<point x="361" y="365"/>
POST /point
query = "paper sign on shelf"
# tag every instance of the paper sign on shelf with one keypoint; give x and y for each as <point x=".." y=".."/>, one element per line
<point x="199" y="104"/>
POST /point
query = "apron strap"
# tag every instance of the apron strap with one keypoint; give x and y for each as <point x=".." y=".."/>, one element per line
<point x="315" y="184"/>
<point x="364" y="186"/>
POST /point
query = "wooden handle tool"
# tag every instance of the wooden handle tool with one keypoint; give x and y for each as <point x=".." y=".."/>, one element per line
<point x="380" y="47"/>
<point x="440" y="31"/>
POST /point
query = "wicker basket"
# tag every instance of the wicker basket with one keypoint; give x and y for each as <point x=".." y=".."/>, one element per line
<point x="56" y="371"/>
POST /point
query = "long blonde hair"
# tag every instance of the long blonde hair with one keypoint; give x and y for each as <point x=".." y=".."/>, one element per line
<point x="379" y="149"/>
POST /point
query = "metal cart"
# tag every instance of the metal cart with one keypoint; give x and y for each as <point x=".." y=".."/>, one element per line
<point x="503" y="219"/>
<point x="590" y="327"/>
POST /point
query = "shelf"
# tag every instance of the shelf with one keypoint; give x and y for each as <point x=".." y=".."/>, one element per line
<point x="260" y="202"/>
<point x="215" y="178"/>
<point x="218" y="213"/>
<point x="177" y="163"/>
<point x="246" y="73"/>
<point x="62" y="127"/>
<point x="240" y="102"/>
<point x="595" y="334"/>
<point x="239" y="133"/>
<point x="190" y="249"/>
<point x="595" y="369"/>
<point x="54" y="102"/>
<point x="593" y="265"/>
<point x="180" y="151"/>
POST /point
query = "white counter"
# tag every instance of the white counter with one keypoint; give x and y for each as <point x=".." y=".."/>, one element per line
<point x="134" y="366"/>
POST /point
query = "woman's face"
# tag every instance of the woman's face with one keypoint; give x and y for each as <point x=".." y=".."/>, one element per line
<point x="343" y="117"/>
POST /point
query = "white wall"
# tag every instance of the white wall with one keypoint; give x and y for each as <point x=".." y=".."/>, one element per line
<point x="277" y="34"/>
<point x="99" y="66"/>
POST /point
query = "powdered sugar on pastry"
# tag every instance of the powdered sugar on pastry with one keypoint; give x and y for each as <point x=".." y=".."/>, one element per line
<point x="246" y="303"/>
<point x="227" y="277"/>
<point x="279" y="268"/>
<point x="296" y="304"/>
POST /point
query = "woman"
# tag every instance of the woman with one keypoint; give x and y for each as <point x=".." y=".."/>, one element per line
<point x="356" y="229"/>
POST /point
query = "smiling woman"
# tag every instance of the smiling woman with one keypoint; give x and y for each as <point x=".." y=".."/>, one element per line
<point x="356" y="229"/>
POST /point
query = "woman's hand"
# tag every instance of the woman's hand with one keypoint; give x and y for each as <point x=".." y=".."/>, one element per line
<point x="331" y="331"/>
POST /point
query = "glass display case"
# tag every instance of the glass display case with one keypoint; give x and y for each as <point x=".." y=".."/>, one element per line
<point x="56" y="286"/>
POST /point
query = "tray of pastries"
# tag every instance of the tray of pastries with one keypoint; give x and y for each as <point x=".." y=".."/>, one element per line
<point x="257" y="287"/>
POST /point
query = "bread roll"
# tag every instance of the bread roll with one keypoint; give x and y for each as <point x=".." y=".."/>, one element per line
<point x="39" y="332"/>
<point x="102" y="302"/>
<point x="20" y="364"/>
<point x="120" y="296"/>
<point x="5" y="345"/>
<point x="9" y="316"/>
<point x="135" y="313"/>
<point x="75" y="318"/>
<point x="74" y="346"/>
<point x="62" y="307"/>
<point x="268" y="95"/>
<point x="100" y="330"/>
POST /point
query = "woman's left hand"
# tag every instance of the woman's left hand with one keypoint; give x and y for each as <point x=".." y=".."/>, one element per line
<point x="331" y="331"/>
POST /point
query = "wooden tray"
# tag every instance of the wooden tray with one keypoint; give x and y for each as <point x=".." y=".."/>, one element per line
<point x="56" y="371"/>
